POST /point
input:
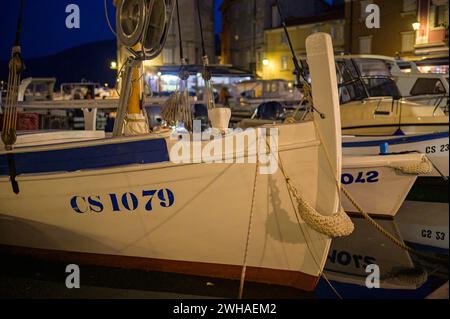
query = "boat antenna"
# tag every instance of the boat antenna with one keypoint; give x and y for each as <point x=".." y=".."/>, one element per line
<point x="299" y="74"/>
<point x="301" y="81"/>
<point x="206" y="74"/>
<point x="16" y="66"/>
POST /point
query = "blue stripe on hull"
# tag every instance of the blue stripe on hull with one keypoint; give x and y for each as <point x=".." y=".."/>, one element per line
<point x="92" y="157"/>
<point x="396" y="141"/>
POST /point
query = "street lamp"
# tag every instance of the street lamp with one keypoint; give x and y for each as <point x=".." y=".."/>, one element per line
<point x="416" y="26"/>
<point x="265" y="62"/>
<point x="113" y="65"/>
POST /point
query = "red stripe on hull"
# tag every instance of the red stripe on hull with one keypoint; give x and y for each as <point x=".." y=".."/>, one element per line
<point x="280" y="277"/>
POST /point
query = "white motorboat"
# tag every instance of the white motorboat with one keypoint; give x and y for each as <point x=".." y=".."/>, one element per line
<point x="431" y="89"/>
<point x="371" y="103"/>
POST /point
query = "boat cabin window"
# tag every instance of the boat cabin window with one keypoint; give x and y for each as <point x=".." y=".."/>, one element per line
<point x="381" y="87"/>
<point x="426" y="86"/>
<point x="350" y="87"/>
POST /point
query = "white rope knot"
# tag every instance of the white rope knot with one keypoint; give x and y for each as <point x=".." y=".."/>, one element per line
<point x="419" y="168"/>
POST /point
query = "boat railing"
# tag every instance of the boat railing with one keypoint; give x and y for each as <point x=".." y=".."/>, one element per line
<point x="88" y="107"/>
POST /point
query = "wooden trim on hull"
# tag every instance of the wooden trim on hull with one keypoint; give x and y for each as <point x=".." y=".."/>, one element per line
<point x="279" y="277"/>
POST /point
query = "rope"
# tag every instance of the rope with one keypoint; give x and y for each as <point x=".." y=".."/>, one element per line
<point x="107" y="19"/>
<point x="201" y="28"/>
<point x="244" y="264"/>
<point x="299" y="223"/>
<point x="10" y="113"/>
<point x="422" y="168"/>
<point x="206" y="74"/>
<point x="177" y="108"/>
<point x="16" y="66"/>
<point x="387" y="234"/>
<point x="179" y="32"/>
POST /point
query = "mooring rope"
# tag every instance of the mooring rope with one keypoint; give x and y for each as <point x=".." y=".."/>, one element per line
<point x="208" y="93"/>
<point x="252" y="208"/>
<point x="299" y="223"/>
<point x="386" y="233"/>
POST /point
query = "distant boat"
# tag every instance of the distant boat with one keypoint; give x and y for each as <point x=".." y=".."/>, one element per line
<point x="371" y="103"/>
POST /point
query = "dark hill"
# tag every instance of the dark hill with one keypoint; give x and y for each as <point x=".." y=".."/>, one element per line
<point x="89" y="61"/>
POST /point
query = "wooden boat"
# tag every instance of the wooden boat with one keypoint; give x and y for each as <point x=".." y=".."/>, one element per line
<point x="124" y="201"/>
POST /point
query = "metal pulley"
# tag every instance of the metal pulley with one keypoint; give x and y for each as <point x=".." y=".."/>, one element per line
<point x="144" y="22"/>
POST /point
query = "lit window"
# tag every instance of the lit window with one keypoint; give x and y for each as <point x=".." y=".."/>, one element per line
<point x="365" y="45"/>
<point x="408" y="40"/>
<point x="441" y="15"/>
<point x="409" y="5"/>
<point x="284" y="63"/>
<point x="284" y="38"/>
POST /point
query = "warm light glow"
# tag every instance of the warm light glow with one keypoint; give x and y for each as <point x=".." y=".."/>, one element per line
<point x="265" y="62"/>
<point x="113" y="65"/>
<point x="159" y="74"/>
<point x="425" y="69"/>
<point x="416" y="26"/>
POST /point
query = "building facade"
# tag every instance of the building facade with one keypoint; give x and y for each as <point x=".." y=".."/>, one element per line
<point x="245" y="23"/>
<point x="277" y="59"/>
<point x="408" y="28"/>
<point x="432" y="35"/>
<point x="190" y="32"/>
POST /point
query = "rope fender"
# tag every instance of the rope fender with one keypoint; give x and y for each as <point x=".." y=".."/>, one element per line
<point x="336" y="225"/>
<point x="419" y="168"/>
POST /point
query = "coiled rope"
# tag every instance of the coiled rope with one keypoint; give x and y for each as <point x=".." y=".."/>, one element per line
<point x="177" y="108"/>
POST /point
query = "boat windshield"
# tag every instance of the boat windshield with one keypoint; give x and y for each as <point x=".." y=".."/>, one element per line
<point x="359" y="79"/>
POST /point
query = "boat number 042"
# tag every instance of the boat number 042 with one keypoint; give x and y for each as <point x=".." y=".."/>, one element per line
<point x="360" y="178"/>
<point x="128" y="202"/>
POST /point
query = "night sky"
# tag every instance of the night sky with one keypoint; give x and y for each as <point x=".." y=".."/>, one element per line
<point x="44" y="30"/>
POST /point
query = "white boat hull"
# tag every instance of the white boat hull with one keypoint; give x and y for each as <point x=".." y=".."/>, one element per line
<point x="376" y="183"/>
<point x="435" y="146"/>
<point x="203" y="229"/>
<point x="194" y="218"/>
<point x="425" y="224"/>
